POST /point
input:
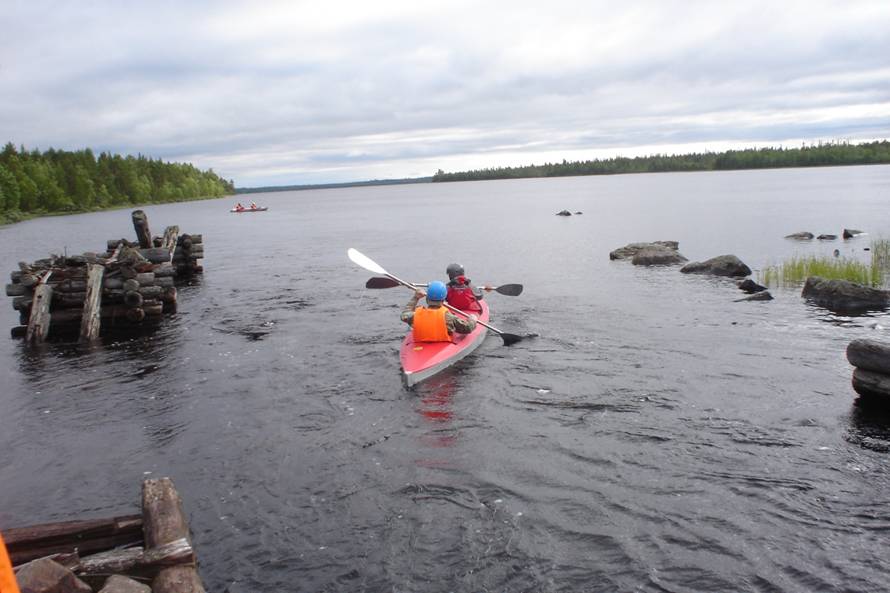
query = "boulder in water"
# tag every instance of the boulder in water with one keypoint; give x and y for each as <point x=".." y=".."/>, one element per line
<point x="658" y="256"/>
<point x="563" y="213"/>
<point x="749" y="286"/>
<point x="722" y="265"/>
<point x="801" y="236"/>
<point x="631" y="249"/>
<point x="827" y="237"/>
<point x="842" y="295"/>
<point x="850" y="233"/>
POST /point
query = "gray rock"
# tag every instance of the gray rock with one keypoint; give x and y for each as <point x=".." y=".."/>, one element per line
<point x="850" y="233"/>
<point x="631" y="249"/>
<point x="563" y="213"/>
<point x="763" y="295"/>
<point x="842" y="295"/>
<point x="870" y="355"/>
<point x="871" y="384"/>
<point x="827" y="237"/>
<point x="722" y="265"/>
<point x="120" y="584"/>
<point x="749" y="286"/>
<point x="801" y="236"/>
<point x="47" y="576"/>
<point x="579" y="212"/>
<point x="662" y="256"/>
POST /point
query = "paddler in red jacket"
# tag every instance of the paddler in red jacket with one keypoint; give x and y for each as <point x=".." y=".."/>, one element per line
<point x="435" y="323"/>
<point x="461" y="294"/>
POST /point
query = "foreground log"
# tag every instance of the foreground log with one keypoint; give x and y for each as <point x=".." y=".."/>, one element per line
<point x="164" y="524"/>
<point x="92" y="305"/>
<point x="138" y="560"/>
<point x="28" y="543"/>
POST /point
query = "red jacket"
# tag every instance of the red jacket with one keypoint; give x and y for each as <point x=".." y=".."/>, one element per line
<point x="462" y="297"/>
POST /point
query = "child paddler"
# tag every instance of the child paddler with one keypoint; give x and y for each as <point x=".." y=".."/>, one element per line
<point x="461" y="294"/>
<point x="434" y="322"/>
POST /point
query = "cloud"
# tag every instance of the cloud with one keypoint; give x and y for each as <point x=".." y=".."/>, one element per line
<point x="308" y="92"/>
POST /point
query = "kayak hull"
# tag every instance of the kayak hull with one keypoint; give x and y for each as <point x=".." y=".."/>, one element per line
<point x="236" y="211"/>
<point x="421" y="360"/>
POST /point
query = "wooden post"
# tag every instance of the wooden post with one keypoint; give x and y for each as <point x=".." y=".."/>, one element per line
<point x="164" y="523"/>
<point x="171" y="236"/>
<point x="140" y="223"/>
<point x="91" y="321"/>
<point x="38" y="323"/>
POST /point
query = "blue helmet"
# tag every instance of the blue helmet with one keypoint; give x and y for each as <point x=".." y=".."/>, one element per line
<point x="436" y="291"/>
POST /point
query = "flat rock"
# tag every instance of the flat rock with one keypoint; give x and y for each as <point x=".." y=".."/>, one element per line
<point x="722" y="265"/>
<point x="757" y="296"/>
<point x="47" y="576"/>
<point x="120" y="584"/>
<point x="872" y="384"/>
<point x="801" y="236"/>
<point x="631" y="249"/>
<point x="870" y="355"/>
<point x="662" y="256"/>
<point x="827" y="237"/>
<point x="749" y="286"/>
<point x="842" y="295"/>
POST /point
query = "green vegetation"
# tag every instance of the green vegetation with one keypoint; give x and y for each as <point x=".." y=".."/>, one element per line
<point x="256" y="190"/>
<point x="57" y="181"/>
<point x="797" y="269"/>
<point x="821" y="155"/>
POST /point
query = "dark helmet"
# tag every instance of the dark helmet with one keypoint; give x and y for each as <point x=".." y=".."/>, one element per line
<point x="436" y="291"/>
<point x="454" y="270"/>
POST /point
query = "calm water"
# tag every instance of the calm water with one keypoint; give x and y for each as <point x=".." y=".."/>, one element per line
<point x="657" y="436"/>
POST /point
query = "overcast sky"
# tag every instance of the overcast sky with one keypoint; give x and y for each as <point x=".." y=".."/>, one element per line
<point x="275" y="93"/>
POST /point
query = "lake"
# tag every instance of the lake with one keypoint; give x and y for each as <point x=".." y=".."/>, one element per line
<point x="655" y="436"/>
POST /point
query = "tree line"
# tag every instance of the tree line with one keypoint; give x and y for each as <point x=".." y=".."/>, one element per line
<point x="57" y="181"/>
<point x="818" y="155"/>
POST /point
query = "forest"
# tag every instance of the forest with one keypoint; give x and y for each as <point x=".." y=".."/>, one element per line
<point x="34" y="183"/>
<point x="817" y="155"/>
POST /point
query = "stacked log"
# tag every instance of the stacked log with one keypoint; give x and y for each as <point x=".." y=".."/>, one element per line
<point x="130" y="285"/>
<point x="92" y="555"/>
<point x="871" y="377"/>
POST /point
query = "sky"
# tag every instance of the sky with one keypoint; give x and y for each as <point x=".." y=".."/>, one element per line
<point x="281" y="93"/>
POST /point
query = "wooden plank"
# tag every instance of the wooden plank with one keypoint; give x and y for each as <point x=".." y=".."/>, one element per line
<point x="39" y="321"/>
<point x="143" y="233"/>
<point x="92" y="535"/>
<point x="91" y="321"/>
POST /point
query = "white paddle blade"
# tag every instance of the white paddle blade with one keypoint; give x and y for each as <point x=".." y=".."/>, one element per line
<point x="360" y="259"/>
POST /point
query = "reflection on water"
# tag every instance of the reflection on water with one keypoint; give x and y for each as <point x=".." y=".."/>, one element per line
<point x="870" y="424"/>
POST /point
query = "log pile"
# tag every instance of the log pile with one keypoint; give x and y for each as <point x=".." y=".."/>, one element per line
<point x="871" y="377"/>
<point x="130" y="285"/>
<point x="118" y="554"/>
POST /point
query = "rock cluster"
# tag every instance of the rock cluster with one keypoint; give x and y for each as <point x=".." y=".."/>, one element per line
<point x="871" y="377"/>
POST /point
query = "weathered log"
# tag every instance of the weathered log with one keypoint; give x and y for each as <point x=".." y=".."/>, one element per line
<point x="178" y="579"/>
<point x="195" y="251"/>
<point x="132" y="299"/>
<point x="27" y="543"/>
<point x="153" y="308"/>
<point x="113" y="561"/>
<point x="164" y="281"/>
<point x="162" y="518"/>
<point x="131" y="285"/>
<point x="17" y="290"/>
<point x="40" y="319"/>
<point x="145" y="278"/>
<point x="171" y="236"/>
<point x="116" y="282"/>
<point x="128" y="272"/>
<point x="872" y="384"/>
<point x="164" y="270"/>
<point x="29" y="280"/>
<point x="186" y="240"/>
<point x="92" y="305"/>
<point x="151" y="292"/>
<point x="113" y="244"/>
<point x="869" y="355"/>
<point x="156" y="255"/>
<point x="143" y="233"/>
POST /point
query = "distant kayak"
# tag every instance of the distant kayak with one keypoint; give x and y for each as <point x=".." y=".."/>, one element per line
<point x="421" y="360"/>
<point x="242" y="210"/>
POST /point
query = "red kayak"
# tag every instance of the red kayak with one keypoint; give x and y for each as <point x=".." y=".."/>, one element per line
<point x="421" y="360"/>
<point x="261" y="209"/>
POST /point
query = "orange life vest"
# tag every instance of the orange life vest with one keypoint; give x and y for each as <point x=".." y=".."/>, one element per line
<point x="430" y="326"/>
<point x="7" y="578"/>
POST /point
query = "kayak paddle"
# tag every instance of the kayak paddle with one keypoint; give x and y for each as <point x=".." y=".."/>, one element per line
<point x="379" y="282"/>
<point x="362" y="260"/>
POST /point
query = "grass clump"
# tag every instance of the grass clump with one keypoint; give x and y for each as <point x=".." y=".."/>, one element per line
<point x="797" y="269"/>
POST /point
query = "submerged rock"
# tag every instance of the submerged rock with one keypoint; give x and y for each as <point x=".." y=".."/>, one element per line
<point x="842" y="295"/>
<point x="660" y="256"/>
<point x="722" y="265"/>
<point x="763" y="295"/>
<point x="631" y="249"/>
<point x="850" y="233"/>
<point x="801" y="236"/>
<point x="827" y="237"/>
<point x="749" y="286"/>
<point x="563" y="213"/>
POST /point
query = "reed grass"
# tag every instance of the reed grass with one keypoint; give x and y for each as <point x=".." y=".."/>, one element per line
<point x="797" y="269"/>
